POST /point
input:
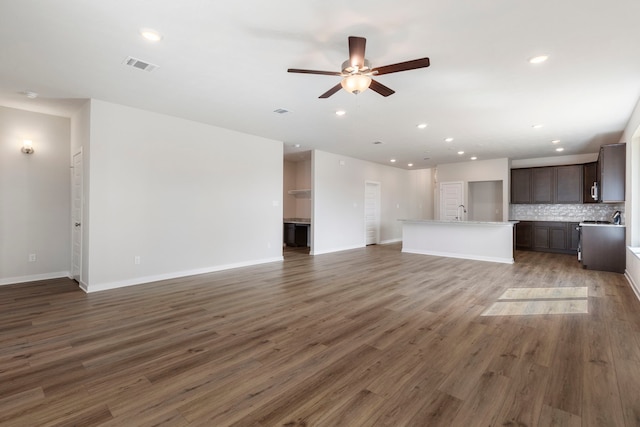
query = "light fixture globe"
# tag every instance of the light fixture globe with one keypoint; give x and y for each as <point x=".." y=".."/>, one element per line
<point x="27" y="147"/>
<point x="356" y="83"/>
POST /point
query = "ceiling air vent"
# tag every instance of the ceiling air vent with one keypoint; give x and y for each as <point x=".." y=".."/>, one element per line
<point x="139" y="64"/>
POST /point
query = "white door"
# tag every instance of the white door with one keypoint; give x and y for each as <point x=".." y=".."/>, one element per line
<point x="76" y="217"/>
<point x="451" y="197"/>
<point x="372" y="212"/>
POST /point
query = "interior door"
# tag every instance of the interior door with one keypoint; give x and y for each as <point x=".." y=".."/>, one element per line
<point x="372" y="212"/>
<point x="451" y="197"/>
<point x="76" y="217"/>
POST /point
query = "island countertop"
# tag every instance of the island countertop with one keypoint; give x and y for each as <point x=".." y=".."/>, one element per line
<point x="453" y="221"/>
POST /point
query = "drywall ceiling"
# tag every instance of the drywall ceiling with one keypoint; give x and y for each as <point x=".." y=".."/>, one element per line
<point x="224" y="63"/>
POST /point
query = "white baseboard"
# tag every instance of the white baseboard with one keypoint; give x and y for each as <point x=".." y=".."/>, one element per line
<point x="634" y="285"/>
<point x="173" y="275"/>
<point x="33" y="278"/>
<point x="83" y="286"/>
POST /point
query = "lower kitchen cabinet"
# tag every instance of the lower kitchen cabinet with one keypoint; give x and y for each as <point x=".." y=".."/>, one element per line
<point x="524" y="235"/>
<point x="547" y="236"/>
<point x="603" y="248"/>
<point x="296" y="234"/>
<point x="574" y="236"/>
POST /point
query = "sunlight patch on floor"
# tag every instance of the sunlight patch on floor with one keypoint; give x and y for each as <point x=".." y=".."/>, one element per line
<point x="530" y="301"/>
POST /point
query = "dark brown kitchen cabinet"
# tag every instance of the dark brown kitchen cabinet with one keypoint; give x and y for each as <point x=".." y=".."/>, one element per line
<point x="520" y="185"/>
<point x="603" y="248"/>
<point x="546" y="185"/>
<point x="289" y="234"/>
<point x="542" y="180"/>
<point x="547" y="236"/>
<point x="589" y="183"/>
<point x="568" y="184"/>
<point x="573" y="233"/>
<point x="524" y="235"/>
<point x="611" y="173"/>
<point x="550" y="236"/>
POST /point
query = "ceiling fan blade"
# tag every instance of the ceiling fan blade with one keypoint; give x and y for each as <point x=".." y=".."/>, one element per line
<point x="357" y="46"/>
<point x="401" y="66"/>
<point x="331" y="91"/>
<point x="324" y="73"/>
<point x="380" y="88"/>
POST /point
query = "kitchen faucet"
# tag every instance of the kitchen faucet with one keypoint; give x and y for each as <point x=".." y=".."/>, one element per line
<point x="464" y="211"/>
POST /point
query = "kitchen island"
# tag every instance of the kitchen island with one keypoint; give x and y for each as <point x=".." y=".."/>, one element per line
<point x="478" y="240"/>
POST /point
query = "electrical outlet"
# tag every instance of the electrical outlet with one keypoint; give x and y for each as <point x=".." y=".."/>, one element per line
<point x="32" y="257"/>
<point x="136" y="260"/>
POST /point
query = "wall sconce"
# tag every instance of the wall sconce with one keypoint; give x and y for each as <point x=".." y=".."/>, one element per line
<point x="27" y="146"/>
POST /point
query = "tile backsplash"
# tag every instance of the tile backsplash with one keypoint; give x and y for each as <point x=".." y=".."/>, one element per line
<point x="567" y="213"/>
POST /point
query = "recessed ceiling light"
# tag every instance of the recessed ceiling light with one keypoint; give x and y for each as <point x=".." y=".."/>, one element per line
<point x="31" y="95"/>
<point x="340" y="113"/>
<point x="410" y="165"/>
<point x="448" y="139"/>
<point x="538" y="59"/>
<point x="150" y="34"/>
<point x="474" y="158"/>
<point x="422" y="126"/>
<point x="536" y="126"/>
<point x="559" y="149"/>
<point x="296" y="145"/>
<point x="392" y="160"/>
<point x="555" y="141"/>
<point x="461" y="152"/>
<point x="281" y="111"/>
<point x="378" y="142"/>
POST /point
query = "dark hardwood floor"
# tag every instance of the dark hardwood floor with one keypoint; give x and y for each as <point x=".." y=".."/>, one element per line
<point x="368" y="337"/>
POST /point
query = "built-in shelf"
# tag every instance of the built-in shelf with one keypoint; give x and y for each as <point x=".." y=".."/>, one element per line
<point x="300" y="193"/>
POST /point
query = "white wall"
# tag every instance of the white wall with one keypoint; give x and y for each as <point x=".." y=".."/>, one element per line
<point x="338" y="200"/>
<point x="631" y="136"/>
<point x="34" y="196"/>
<point x="421" y="190"/>
<point x="289" y="180"/>
<point x="479" y="170"/>
<point x="303" y="182"/>
<point x="183" y="196"/>
<point x="297" y="176"/>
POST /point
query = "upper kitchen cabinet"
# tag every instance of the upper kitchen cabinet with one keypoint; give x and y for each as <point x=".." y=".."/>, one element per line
<point x="546" y="185"/>
<point x="520" y="185"/>
<point x="568" y="184"/>
<point x="543" y="180"/>
<point x="611" y="173"/>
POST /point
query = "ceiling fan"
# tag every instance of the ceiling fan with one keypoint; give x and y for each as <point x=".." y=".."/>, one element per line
<point x="356" y="71"/>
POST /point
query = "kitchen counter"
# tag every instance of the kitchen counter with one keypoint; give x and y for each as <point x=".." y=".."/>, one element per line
<point x="303" y="221"/>
<point x="478" y="240"/>
<point x="453" y="221"/>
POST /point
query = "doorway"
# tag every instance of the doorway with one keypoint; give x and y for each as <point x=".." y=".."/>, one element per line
<point x="76" y="217"/>
<point x="451" y="197"/>
<point x="372" y="212"/>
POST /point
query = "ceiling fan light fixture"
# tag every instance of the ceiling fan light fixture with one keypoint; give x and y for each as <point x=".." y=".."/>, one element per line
<point x="356" y="83"/>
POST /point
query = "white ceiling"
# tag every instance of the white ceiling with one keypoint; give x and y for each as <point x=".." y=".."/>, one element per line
<point x="225" y="63"/>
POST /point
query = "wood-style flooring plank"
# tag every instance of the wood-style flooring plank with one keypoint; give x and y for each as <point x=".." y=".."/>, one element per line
<point x="367" y="337"/>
